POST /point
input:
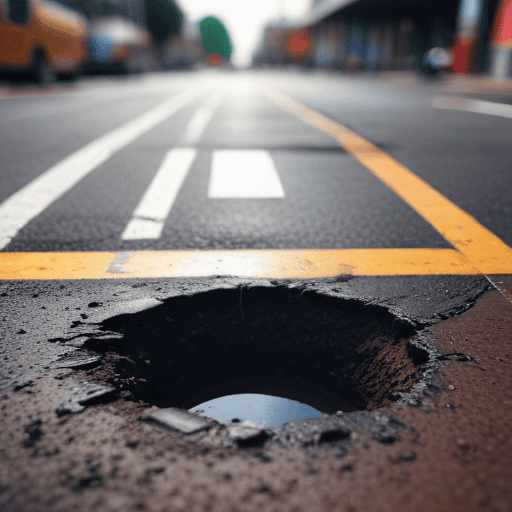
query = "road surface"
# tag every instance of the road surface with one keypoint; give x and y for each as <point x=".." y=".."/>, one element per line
<point x="166" y="232"/>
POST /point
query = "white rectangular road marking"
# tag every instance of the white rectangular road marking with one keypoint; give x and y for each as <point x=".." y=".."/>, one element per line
<point x="149" y="217"/>
<point x="476" y="106"/>
<point x="200" y="119"/>
<point x="19" y="209"/>
<point x="244" y="174"/>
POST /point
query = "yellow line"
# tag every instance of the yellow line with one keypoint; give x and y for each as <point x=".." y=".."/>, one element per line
<point x="481" y="247"/>
<point x="276" y="264"/>
<point x="59" y="265"/>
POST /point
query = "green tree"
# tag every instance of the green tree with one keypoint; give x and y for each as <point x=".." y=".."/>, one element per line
<point x="215" y="37"/>
<point x="163" y="18"/>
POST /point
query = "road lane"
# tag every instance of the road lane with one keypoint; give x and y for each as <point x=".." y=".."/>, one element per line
<point x="30" y="146"/>
<point x="465" y="156"/>
<point x="485" y="250"/>
<point x="331" y="201"/>
<point x="23" y="206"/>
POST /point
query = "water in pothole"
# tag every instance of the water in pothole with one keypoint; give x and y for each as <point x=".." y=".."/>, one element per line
<point x="268" y="401"/>
<point x="267" y="410"/>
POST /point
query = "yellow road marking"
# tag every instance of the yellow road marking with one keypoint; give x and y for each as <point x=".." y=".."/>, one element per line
<point x="276" y="264"/>
<point x="483" y="249"/>
<point x="60" y="265"/>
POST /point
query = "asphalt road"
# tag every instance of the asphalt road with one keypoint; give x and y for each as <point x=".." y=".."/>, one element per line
<point x="330" y="200"/>
<point x="347" y="229"/>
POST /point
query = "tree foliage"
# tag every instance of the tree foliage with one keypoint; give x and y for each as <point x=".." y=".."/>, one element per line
<point x="163" y="18"/>
<point x="215" y="37"/>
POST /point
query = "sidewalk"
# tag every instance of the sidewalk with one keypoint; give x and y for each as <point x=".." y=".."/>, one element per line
<point x="464" y="84"/>
<point x="483" y="84"/>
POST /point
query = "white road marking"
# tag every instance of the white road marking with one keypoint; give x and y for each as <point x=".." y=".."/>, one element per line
<point x="149" y="217"/>
<point x="23" y="206"/>
<point x="199" y="120"/>
<point x="244" y="174"/>
<point x="476" y="106"/>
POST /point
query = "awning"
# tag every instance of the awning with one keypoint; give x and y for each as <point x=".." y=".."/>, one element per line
<point x="322" y="10"/>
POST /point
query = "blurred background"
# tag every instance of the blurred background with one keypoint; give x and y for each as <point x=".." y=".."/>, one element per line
<point x="43" y="40"/>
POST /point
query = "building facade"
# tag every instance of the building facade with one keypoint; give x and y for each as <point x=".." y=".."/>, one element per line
<point x="397" y="34"/>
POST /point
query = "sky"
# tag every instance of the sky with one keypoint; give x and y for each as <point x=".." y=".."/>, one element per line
<point x="244" y="19"/>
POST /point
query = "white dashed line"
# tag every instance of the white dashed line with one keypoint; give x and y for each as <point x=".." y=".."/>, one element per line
<point x="244" y="174"/>
<point x="149" y="216"/>
<point x="476" y="106"/>
<point x="199" y="120"/>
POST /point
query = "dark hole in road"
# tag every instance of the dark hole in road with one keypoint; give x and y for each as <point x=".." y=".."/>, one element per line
<point x="328" y="353"/>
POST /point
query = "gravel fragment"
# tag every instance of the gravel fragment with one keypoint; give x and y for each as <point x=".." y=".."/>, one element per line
<point x="178" y="419"/>
<point x="248" y="433"/>
<point x="84" y="394"/>
<point x="78" y="359"/>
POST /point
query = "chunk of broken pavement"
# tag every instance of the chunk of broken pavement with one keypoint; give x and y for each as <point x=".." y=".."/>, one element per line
<point x="178" y="419"/>
<point x="334" y="434"/>
<point x="248" y="433"/>
<point x="78" y="359"/>
<point x="83" y="395"/>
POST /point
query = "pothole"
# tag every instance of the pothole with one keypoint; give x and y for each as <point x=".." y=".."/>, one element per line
<point x="325" y="353"/>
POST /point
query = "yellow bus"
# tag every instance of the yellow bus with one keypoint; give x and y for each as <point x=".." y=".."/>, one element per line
<point x="42" y="38"/>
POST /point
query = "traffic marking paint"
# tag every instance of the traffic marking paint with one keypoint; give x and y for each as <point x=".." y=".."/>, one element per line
<point x="276" y="264"/>
<point x="149" y="216"/>
<point x="202" y="116"/>
<point x="476" y="106"/>
<point x="19" y="209"/>
<point x="244" y="174"/>
<point x="483" y="249"/>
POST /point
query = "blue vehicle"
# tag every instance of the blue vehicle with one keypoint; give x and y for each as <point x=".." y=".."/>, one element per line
<point x="118" y="45"/>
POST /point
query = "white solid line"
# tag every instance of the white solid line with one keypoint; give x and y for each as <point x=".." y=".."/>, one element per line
<point x="476" y="106"/>
<point x="148" y="218"/>
<point x="199" y="120"/>
<point x="23" y="206"/>
<point x="244" y="174"/>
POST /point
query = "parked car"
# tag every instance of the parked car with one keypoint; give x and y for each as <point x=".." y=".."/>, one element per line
<point x="118" y="45"/>
<point x="41" y="38"/>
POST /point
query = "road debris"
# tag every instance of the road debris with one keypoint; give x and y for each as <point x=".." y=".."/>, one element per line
<point x="248" y="433"/>
<point x="83" y="395"/>
<point x="178" y="419"/>
<point x="78" y="359"/>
